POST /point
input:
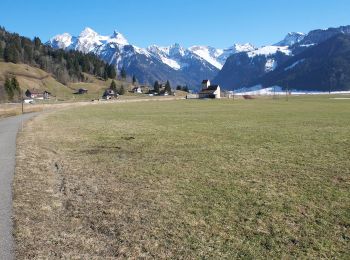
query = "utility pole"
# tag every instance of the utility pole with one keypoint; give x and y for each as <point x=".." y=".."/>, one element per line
<point x="287" y="90"/>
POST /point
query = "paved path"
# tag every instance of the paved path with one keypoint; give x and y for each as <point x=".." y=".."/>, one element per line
<point x="8" y="132"/>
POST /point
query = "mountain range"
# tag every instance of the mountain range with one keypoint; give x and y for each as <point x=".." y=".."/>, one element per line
<point x="300" y="62"/>
<point x="239" y="66"/>
<point x="179" y="65"/>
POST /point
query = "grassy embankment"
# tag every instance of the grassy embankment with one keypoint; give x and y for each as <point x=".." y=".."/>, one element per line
<point x="186" y="179"/>
<point x="31" y="77"/>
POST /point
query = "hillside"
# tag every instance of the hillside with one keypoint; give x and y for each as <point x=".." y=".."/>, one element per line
<point x="39" y="66"/>
<point x="30" y="77"/>
<point x="325" y="67"/>
<point x="276" y="64"/>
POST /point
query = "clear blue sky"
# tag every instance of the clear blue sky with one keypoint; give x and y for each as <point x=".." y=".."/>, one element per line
<point x="218" y="23"/>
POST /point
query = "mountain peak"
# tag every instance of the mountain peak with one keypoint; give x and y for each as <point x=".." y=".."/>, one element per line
<point x="291" y="38"/>
<point x="88" y="32"/>
<point x="61" y="41"/>
<point x="119" y="38"/>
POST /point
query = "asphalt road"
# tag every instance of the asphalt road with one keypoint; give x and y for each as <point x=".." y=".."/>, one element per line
<point x="8" y="133"/>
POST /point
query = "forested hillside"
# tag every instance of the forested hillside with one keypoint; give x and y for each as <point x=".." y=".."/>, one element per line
<point x="324" y="67"/>
<point x="65" y="66"/>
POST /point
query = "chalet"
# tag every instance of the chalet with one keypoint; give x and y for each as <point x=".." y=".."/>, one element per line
<point x="109" y="94"/>
<point x="137" y="90"/>
<point x="209" y="91"/>
<point x="81" y="91"/>
<point x="37" y="94"/>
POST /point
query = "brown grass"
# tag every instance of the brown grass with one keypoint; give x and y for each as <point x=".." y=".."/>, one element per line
<point x="187" y="179"/>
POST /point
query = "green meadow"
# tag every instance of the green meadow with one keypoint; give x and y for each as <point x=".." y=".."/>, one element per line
<point x="186" y="179"/>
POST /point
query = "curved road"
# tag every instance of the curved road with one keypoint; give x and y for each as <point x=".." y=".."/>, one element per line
<point x="8" y="133"/>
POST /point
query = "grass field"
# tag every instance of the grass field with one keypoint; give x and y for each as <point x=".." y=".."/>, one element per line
<point x="186" y="179"/>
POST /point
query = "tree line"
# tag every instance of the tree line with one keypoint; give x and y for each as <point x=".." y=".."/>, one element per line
<point x="65" y="66"/>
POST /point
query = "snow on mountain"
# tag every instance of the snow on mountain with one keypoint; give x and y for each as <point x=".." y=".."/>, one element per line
<point x="218" y="57"/>
<point x="61" y="41"/>
<point x="209" y="54"/>
<point x="174" y="56"/>
<point x="291" y="38"/>
<point x="162" y="53"/>
<point x="118" y="38"/>
<point x="294" y="64"/>
<point x="270" y="65"/>
<point x="87" y="41"/>
<point x="269" y="50"/>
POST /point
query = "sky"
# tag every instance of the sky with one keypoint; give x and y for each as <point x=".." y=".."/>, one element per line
<point x="217" y="23"/>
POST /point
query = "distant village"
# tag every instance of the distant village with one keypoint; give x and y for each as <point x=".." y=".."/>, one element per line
<point x="207" y="91"/>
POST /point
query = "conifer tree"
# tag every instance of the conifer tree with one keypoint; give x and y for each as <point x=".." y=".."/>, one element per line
<point x="167" y="87"/>
<point x="122" y="90"/>
<point x="37" y="42"/>
<point x="156" y="86"/>
<point x="8" y="89"/>
<point x="133" y="80"/>
<point x="123" y="73"/>
<point x="1" y="51"/>
<point x="113" y="86"/>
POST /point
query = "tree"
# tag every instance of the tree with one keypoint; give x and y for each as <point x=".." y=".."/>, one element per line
<point x="178" y="87"/>
<point x="37" y="42"/>
<point x="15" y="83"/>
<point x="156" y="86"/>
<point x="185" y="88"/>
<point x="105" y="73"/>
<point x="113" y="86"/>
<point x="8" y="89"/>
<point x="12" y="86"/>
<point x="11" y="54"/>
<point x="167" y="87"/>
<point x="1" y="51"/>
<point x="111" y="72"/>
<point x="122" y="90"/>
<point x="123" y="73"/>
<point x="134" y="80"/>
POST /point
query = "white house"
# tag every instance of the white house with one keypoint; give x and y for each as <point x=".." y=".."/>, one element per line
<point x="209" y="91"/>
<point x="137" y="90"/>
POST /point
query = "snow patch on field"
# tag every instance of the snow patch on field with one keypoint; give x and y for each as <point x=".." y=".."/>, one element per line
<point x="257" y="90"/>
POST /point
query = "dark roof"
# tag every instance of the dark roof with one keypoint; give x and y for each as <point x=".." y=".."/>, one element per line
<point x="34" y="91"/>
<point x="213" y="87"/>
<point x="207" y="91"/>
<point x="210" y="90"/>
<point x="109" y="92"/>
<point x="205" y="81"/>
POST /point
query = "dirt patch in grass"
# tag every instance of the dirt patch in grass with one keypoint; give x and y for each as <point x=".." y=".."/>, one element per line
<point x="186" y="179"/>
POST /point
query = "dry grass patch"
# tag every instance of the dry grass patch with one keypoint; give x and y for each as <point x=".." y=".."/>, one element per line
<point x="186" y="179"/>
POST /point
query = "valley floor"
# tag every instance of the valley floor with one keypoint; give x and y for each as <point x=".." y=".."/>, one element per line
<point x="186" y="179"/>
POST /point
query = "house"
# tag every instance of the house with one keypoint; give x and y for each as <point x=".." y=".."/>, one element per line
<point x="137" y="90"/>
<point x="209" y="91"/>
<point x="37" y="94"/>
<point x="109" y="94"/>
<point x="81" y="91"/>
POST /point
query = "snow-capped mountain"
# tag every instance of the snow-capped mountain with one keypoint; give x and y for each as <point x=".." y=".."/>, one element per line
<point x="218" y="57"/>
<point x="291" y="38"/>
<point x="175" y="63"/>
<point x="255" y="67"/>
<point x="87" y="41"/>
